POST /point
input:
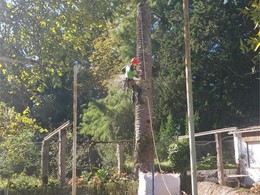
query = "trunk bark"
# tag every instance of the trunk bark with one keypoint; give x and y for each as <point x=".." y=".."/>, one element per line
<point x="144" y="148"/>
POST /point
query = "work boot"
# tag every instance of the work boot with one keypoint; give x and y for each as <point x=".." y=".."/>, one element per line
<point x="133" y="97"/>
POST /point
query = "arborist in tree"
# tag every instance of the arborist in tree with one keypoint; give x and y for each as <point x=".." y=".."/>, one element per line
<point x="131" y="74"/>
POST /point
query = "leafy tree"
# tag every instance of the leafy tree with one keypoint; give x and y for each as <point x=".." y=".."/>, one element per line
<point x="221" y="74"/>
<point x="252" y="12"/>
<point x="39" y="43"/>
<point x="19" y="152"/>
<point x="168" y="69"/>
<point x="105" y="58"/>
<point x="108" y="119"/>
<point x="168" y="133"/>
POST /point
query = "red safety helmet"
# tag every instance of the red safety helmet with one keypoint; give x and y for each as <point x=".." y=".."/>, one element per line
<point x="135" y="61"/>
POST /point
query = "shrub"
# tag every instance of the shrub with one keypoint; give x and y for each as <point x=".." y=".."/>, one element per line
<point x="179" y="155"/>
<point x="208" y="162"/>
<point x="21" y="181"/>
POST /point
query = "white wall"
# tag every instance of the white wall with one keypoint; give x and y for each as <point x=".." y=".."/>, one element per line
<point x="248" y="158"/>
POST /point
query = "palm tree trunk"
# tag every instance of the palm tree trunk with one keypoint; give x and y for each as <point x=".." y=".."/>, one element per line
<point x="144" y="149"/>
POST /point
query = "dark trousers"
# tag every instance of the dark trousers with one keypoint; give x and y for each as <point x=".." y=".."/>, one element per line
<point x="136" y="89"/>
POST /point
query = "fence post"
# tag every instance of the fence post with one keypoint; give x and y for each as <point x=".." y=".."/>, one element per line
<point x="62" y="158"/>
<point x="45" y="161"/>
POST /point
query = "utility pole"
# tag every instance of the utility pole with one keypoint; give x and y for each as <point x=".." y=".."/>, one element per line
<point x="193" y="166"/>
<point x="74" y="147"/>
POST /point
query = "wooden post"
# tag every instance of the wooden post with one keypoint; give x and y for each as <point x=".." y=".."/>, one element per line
<point x="62" y="158"/>
<point x="45" y="154"/>
<point x="220" y="166"/>
<point x="74" y="147"/>
<point x="45" y="162"/>
<point x="193" y="166"/>
<point x="120" y="157"/>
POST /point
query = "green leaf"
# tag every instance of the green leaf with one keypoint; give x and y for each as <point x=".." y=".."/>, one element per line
<point x="43" y="23"/>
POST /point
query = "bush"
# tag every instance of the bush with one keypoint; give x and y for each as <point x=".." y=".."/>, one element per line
<point x="179" y="155"/>
<point x="21" y="181"/>
<point x="210" y="162"/>
<point x="207" y="162"/>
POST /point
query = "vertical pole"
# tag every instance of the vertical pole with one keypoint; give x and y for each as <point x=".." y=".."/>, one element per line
<point x="45" y="161"/>
<point x="189" y="99"/>
<point x="120" y="157"/>
<point x="62" y="157"/>
<point x="151" y="168"/>
<point x="74" y="147"/>
<point x="220" y="165"/>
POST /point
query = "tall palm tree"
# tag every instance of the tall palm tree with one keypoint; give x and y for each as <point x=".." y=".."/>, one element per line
<point x="144" y="148"/>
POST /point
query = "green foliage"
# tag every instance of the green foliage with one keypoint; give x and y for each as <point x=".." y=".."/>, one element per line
<point x="179" y="155"/>
<point x="219" y="68"/>
<point x="168" y="130"/>
<point x="252" y="43"/>
<point x="29" y="185"/>
<point x="110" y="118"/>
<point x="18" y="151"/>
<point x="85" y="175"/>
<point x="253" y="12"/>
<point x="21" y="181"/>
<point x="168" y="133"/>
<point x="166" y="167"/>
<point x="124" y="35"/>
<point x="105" y="58"/>
<point x="103" y="175"/>
<point x="40" y="40"/>
<point x="53" y="183"/>
<point x="107" y="154"/>
<point x="207" y="162"/>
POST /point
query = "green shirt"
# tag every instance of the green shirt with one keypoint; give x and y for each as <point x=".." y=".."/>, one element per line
<point x="130" y="74"/>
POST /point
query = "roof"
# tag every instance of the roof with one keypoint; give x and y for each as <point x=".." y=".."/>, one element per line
<point x="230" y="130"/>
<point x="246" y="130"/>
<point x="223" y="130"/>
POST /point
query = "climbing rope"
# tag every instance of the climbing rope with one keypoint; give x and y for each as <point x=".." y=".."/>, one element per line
<point x="155" y="150"/>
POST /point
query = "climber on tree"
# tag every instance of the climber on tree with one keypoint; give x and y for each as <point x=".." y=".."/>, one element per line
<point x="131" y="73"/>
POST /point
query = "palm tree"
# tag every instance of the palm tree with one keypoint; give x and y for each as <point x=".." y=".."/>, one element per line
<point x="144" y="148"/>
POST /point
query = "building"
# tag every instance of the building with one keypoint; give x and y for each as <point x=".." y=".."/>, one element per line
<point x="247" y="152"/>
